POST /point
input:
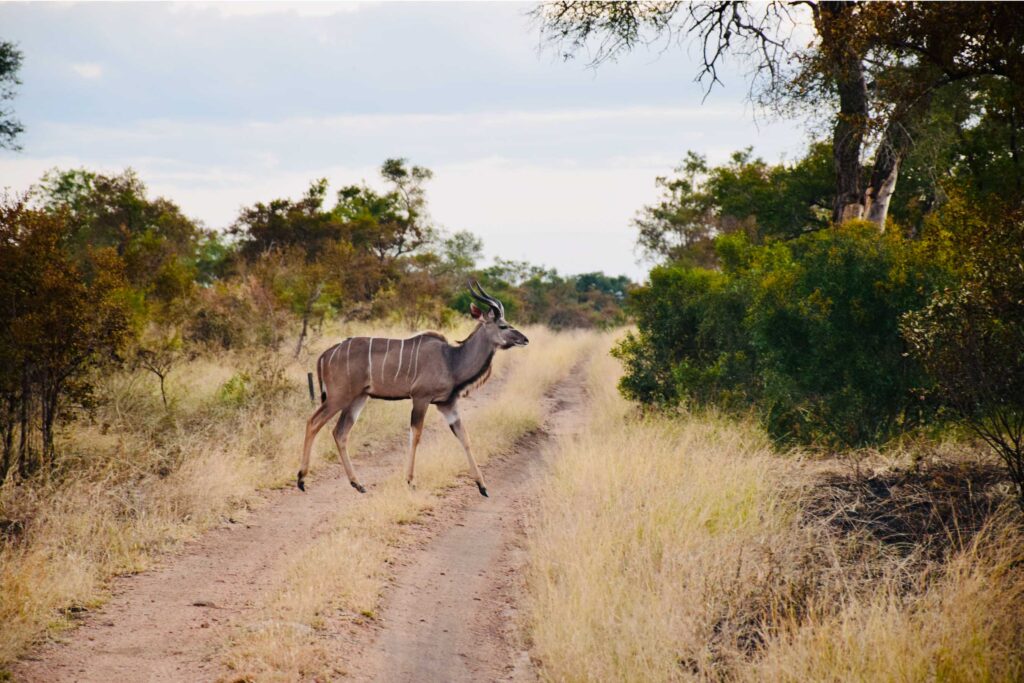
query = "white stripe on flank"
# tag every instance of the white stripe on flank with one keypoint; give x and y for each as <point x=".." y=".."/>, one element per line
<point x="384" y="364"/>
<point x="416" y="370"/>
<point x="331" y="359"/>
<point x="348" y="352"/>
<point x="401" y="350"/>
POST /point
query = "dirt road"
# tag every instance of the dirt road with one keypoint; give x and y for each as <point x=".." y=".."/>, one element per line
<point x="166" y="624"/>
<point x="448" y="616"/>
<point x="452" y="613"/>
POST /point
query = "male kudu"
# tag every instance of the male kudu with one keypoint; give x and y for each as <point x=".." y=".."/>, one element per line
<point x="424" y="368"/>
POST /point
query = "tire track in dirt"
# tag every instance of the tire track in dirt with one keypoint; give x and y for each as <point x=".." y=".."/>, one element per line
<point x="451" y="612"/>
<point x="168" y="624"/>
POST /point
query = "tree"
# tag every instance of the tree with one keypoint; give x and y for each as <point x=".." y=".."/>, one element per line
<point x="159" y="352"/>
<point x="461" y="252"/>
<point x="289" y="283"/>
<point x="390" y="224"/>
<point x="743" y="195"/>
<point x="158" y="244"/>
<point x="969" y="144"/>
<point x="59" y="319"/>
<point x="10" y="63"/>
<point x="286" y="223"/>
<point x="879" y="64"/>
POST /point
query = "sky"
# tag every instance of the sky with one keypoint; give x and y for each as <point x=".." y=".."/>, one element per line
<point x="221" y="105"/>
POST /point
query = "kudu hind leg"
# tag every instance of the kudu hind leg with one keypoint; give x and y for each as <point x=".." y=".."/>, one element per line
<point x="315" y="423"/>
<point x="451" y="414"/>
<point x="341" y="431"/>
<point x="419" y="411"/>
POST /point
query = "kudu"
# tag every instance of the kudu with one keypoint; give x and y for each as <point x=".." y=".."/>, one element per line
<point x="424" y="368"/>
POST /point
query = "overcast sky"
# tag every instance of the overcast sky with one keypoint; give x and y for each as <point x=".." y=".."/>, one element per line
<point x="218" y="106"/>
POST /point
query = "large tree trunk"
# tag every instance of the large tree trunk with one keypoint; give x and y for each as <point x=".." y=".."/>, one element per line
<point x="896" y="143"/>
<point x="848" y="134"/>
<point x="891" y="150"/>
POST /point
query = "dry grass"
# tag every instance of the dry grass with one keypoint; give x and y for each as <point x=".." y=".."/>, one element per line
<point x="685" y="548"/>
<point x="138" y="479"/>
<point x="344" y="572"/>
<point x="963" y="624"/>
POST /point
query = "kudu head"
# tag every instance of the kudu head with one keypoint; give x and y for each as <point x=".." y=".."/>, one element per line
<point x="492" y="321"/>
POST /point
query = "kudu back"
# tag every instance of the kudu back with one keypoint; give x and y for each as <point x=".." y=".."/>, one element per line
<point x="425" y="369"/>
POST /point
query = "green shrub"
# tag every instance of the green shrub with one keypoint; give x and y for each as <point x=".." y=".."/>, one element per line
<point x="690" y="342"/>
<point x="236" y="391"/>
<point x="807" y="331"/>
<point x="824" y="319"/>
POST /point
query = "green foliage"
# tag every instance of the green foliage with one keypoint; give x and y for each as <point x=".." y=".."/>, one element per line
<point x="972" y="145"/>
<point x="159" y="245"/>
<point x="286" y="223"/>
<point x="540" y="295"/>
<point x="807" y="331"/>
<point x="691" y="343"/>
<point x="743" y="195"/>
<point x="263" y="381"/>
<point x="236" y="391"/>
<point x="824" y="318"/>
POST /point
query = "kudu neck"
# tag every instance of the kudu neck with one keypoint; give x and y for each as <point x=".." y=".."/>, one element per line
<point x="473" y="355"/>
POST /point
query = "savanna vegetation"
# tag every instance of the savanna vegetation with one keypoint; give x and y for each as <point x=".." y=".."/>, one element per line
<point x="824" y="479"/>
<point x="686" y="546"/>
<point x="153" y="374"/>
<point x="804" y="460"/>
<point x="99" y="275"/>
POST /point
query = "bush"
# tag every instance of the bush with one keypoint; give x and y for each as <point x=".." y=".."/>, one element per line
<point x="824" y="318"/>
<point x="691" y="343"/>
<point x="807" y="331"/>
<point x="970" y="338"/>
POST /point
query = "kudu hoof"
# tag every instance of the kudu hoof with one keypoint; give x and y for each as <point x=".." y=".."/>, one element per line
<point x="358" y="487"/>
<point x="301" y="483"/>
<point x="483" y="490"/>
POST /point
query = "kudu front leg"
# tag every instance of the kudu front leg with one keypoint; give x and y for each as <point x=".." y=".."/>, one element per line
<point x="451" y="414"/>
<point x="341" y="432"/>
<point x="419" y="412"/>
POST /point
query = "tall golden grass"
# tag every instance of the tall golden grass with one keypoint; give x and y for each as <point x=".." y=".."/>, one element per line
<point x="138" y="479"/>
<point x="676" y="548"/>
<point x="347" y="568"/>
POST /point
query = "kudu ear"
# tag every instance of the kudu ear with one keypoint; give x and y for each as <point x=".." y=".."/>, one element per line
<point x="475" y="312"/>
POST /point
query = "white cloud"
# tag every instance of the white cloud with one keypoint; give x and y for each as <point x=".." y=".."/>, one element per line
<point x="87" y="70"/>
<point x="557" y="187"/>
<point x="244" y="8"/>
<point x="630" y="116"/>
